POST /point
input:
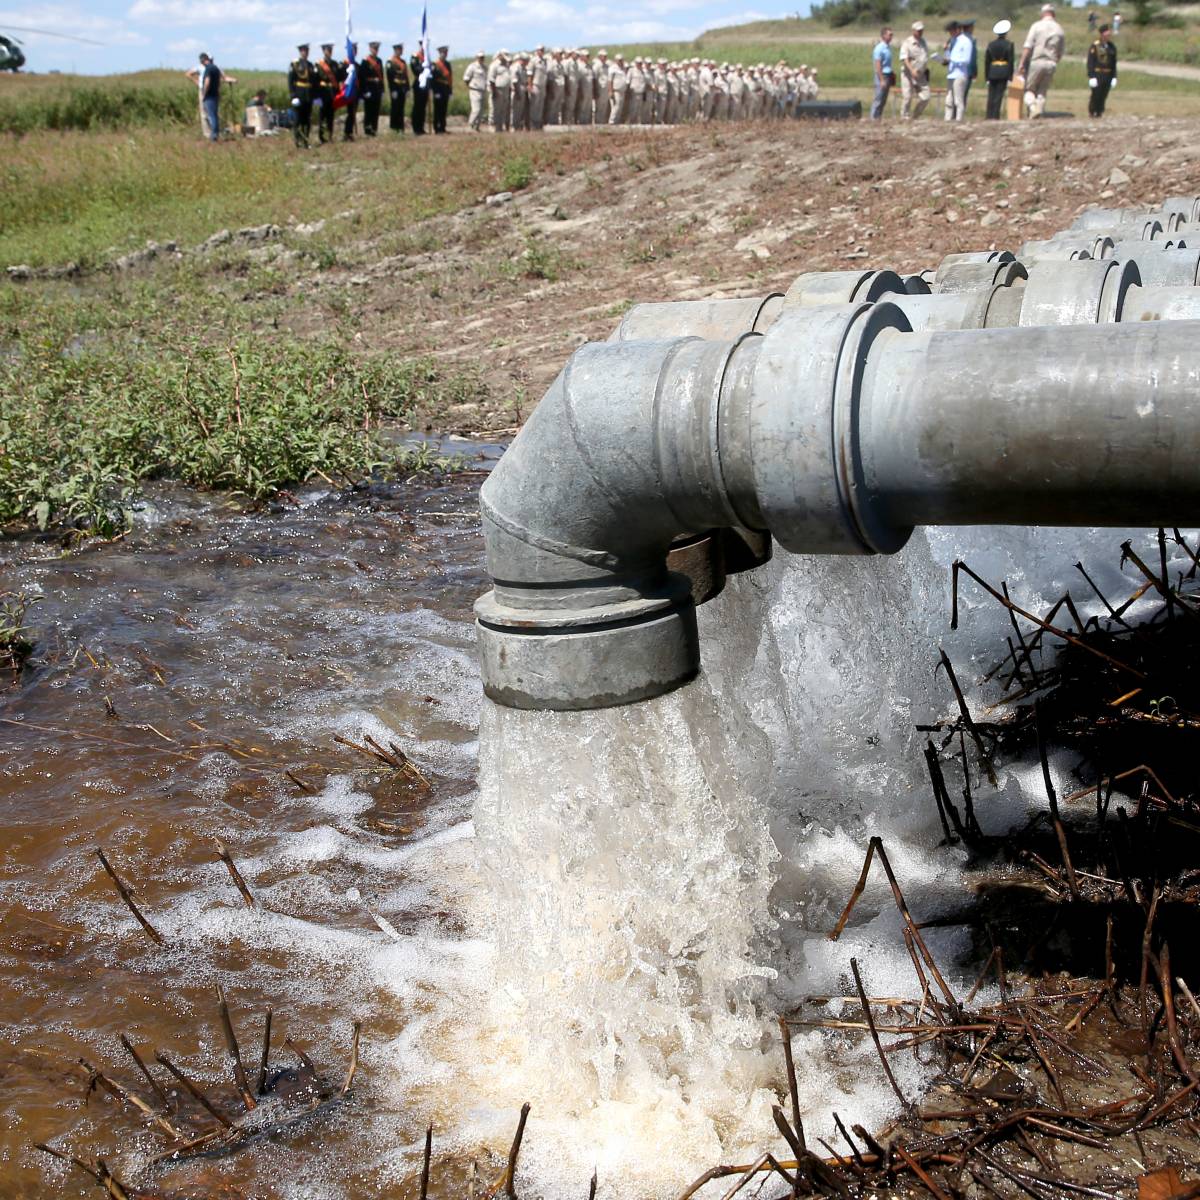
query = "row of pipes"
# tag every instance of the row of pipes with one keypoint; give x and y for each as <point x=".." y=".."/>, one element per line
<point x="1059" y="385"/>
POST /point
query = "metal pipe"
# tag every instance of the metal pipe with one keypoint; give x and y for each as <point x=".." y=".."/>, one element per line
<point x="837" y="430"/>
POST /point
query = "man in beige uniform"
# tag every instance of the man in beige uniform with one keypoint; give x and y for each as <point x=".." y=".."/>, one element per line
<point x="636" y="95"/>
<point x="618" y="91"/>
<point x="914" y="73"/>
<point x="602" y="69"/>
<point x="537" y="87"/>
<point x="570" y="85"/>
<point x="500" y="90"/>
<point x="585" y="87"/>
<point x="520" y="92"/>
<point x="1043" y="49"/>
<point x="476" y="79"/>
<point x="556" y="81"/>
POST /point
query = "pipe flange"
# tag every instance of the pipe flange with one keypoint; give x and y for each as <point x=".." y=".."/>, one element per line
<point x="600" y="657"/>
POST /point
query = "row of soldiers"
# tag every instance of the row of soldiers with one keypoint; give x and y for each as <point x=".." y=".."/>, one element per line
<point x="317" y="86"/>
<point x="569" y="87"/>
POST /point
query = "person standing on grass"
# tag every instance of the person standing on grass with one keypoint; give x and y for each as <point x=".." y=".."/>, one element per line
<point x="328" y="82"/>
<point x="350" y="126"/>
<point x="441" y="84"/>
<point x="958" y="73"/>
<point x="302" y="86"/>
<point x="420" y="91"/>
<point x="476" y="79"/>
<point x="397" y="81"/>
<point x="370" y="77"/>
<point x="914" y="77"/>
<point x="1102" y="71"/>
<point x="1040" y="57"/>
<point x="998" y="62"/>
<point x="500" y="86"/>
<point x="1116" y="24"/>
<point x="885" y="72"/>
<point x="210" y="95"/>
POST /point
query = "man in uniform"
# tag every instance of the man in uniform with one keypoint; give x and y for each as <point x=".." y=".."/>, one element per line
<point x="519" y="106"/>
<point x="420" y="91"/>
<point x="570" y="86"/>
<point x="350" y="126"/>
<point x="329" y="75"/>
<point x="601" y="70"/>
<point x="998" y="62"/>
<point x="500" y="89"/>
<point x="636" y="96"/>
<point x="585" y="87"/>
<point x="618" y="88"/>
<point x="914" y="73"/>
<point x="1102" y="71"/>
<point x="370" y="84"/>
<point x="556" y="82"/>
<point x="302" y="83"/>
<point x="539" y="70"/>
<point x="397" y="81"/>
<point x="1043" y="50"/>
<point x="441" y="84"/>
<point x="476" y="79"/>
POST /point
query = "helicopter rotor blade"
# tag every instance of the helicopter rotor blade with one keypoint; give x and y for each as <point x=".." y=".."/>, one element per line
<point x="70" y="37"/>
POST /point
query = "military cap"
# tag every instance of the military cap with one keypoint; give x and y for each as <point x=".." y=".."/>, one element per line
<point x="397" y="45"/>
<point x="302" y="46"/>
<point x="443" y="49"/>
<point x="1001" y="28"/>
<point x="326" y="45"/>
<point x="372" y="45"/>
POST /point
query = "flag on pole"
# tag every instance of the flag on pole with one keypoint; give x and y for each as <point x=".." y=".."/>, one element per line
<point x="348" y="92"/>
<point x="426" y="68"/>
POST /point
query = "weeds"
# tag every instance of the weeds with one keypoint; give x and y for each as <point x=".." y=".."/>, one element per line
<point x="78" y="433"/>
<point x="15" y="644"/>
<point x="517" y="173"/>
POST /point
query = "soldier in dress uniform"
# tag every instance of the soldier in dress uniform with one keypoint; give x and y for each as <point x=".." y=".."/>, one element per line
<point x="329" y="76"/>
<point x="998" y="66"/>
<point x="350" y="126"/>
<point x="420" y="92"/>
<point x="442" y="86"/>
<point x="370" y="86"/>
<point x="1102" y="71"/>
<point x="302" y="85"/>
<point x="396" y="70"/>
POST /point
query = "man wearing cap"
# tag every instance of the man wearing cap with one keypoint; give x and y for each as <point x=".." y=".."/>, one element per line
<point x="539" y="73"/>
<point x="500" y="89"/>
<point x="998" y="64"/>
<point x="1102" y="71"/>
<point x="958" y="73"/>
<point x="618" y="91"/>
<point x="585" y="87"/>
<point x="370" y="76"/>
<point x="602" y="69"/>
<point x="556" y="80"/>
<point x="476" y="79"/>
<point x="396" y="70"/>
<point x="330" y="74"/>
<point x="1043" y="50"/>
<point x="885" y="72"/>
<point x="519" y="107"/>
<point x="914" y="73"/>
<point x="570" y="86"/>
<point x="302" y="84"/>
<point x="420" y="91"/>
<point x="441" y="86"/>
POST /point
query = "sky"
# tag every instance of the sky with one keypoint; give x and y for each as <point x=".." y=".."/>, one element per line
<point x="138" y="34"/>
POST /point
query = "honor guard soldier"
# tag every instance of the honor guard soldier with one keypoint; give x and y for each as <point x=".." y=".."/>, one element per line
<point x="329" y="79"/>
<point x="420" y="91"/>
<point x="441" y="84"/>
<point x="302" y="86"/>
<point x="1102" y="71"/>
<point x="370" y="77"/>
<point x="998" y="66"/>
<point x="397" y="81"/>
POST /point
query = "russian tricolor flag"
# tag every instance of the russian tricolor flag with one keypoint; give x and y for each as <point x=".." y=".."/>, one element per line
<point x="348" y="92"/>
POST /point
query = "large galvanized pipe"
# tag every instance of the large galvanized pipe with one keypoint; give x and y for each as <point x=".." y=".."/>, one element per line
<point x="838" y="430"/>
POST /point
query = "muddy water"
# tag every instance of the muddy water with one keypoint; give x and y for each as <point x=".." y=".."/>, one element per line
<point x="179" y="674"/>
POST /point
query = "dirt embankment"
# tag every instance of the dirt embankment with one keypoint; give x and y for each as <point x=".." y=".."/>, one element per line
<point x="514" y="287"/>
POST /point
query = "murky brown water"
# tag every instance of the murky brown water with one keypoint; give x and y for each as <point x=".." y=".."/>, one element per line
<point x="179" y="674"/>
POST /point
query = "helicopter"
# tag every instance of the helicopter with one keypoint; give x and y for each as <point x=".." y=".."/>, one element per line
<point x="12" y="56"/>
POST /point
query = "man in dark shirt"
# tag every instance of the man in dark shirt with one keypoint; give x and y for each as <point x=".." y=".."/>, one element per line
<point x="442" y="85"/>
<point x="968" y="27"/>
<point x="420" y="91"/>
<point x="397" y="81"/>
<point x="998" y="68"/>
<point x="302" y="87"/>
<point x="370" y="84"/>
<point x="210" y="95"/>
<point x="329" y="78"/>
<point x="1102" y="71"/>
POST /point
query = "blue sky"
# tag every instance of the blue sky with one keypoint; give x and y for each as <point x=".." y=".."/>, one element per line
<point x="263" y="33"/>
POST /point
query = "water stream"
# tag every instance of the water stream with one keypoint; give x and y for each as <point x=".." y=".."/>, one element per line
<point x="595" y="913"/>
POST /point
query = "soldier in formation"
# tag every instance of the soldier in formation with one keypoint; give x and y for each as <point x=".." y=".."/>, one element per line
<point x="441" y="87"/>
<point x="396" y="71"/>
<point x="302" y="87"/>
<point x="1102" y="71"/>
<point x="370" y="80"/>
